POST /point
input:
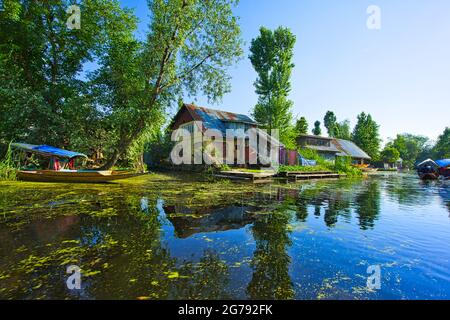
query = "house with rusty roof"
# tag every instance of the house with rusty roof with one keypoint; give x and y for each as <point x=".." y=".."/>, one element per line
<point x="330" y="148"/>
<point x="196" y="119"/>
<point x="210" y="119"/>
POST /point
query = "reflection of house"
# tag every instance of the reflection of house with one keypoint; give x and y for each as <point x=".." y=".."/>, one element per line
<point x="330" y="148"/>
<point x="208" y="219"/>
<point x="197" y="120"/>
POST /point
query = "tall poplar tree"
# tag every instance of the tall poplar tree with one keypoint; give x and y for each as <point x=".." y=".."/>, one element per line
<point x="271" y="55"/>
<point x="366" y="135"/>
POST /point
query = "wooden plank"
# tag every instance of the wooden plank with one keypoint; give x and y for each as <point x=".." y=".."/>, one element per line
<point x="251" y="175"/>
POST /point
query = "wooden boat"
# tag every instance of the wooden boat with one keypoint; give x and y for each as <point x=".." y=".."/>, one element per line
<point x="428" y="170"/>
<point x="444" y="168"/>
<point x="81" y="176"/>
<point x="63" y="167"/>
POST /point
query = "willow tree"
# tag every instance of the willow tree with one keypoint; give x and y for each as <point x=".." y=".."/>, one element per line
<point x="189" y="46"/>
<point x="271" y="55"/>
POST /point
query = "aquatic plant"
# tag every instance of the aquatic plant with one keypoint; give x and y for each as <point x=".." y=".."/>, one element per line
<point x="344" y="165"/>
<point x="8" y="170"/>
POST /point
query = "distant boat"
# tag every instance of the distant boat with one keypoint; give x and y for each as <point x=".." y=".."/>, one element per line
<point x="61" y="167"/>
<point x="428" y="170"/>
<point x="444" y="168"/>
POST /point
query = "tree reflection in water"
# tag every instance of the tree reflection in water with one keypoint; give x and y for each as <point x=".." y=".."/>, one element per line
<point x="367" y="204"/>
<point x="136" y="241"/>
<point x="270" y="263"/>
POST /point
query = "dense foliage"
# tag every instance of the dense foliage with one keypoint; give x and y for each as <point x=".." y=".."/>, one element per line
<point x="390" y="155"/>
<point x="43" y="95"/>
<point x="366" y="135"/>
<point x="48" y="95"/>
<point x="301" y="126"/>
<point x="441" y="149"/>
<point x="329" y="122"/>
<point x="317" y="131"/>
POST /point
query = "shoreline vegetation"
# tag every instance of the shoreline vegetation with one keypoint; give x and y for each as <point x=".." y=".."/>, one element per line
<point x="342" y="165"/>
<point x="8" y="171"/>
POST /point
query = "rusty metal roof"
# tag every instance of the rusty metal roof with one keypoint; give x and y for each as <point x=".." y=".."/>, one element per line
<point x="217" y="119"/>
<point x="209" y="114"/>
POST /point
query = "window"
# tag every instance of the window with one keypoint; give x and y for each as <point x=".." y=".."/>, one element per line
<point x="189" y="127"/>
<point x="317" y="142"/>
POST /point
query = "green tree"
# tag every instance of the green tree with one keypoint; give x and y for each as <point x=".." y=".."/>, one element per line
<point x="44" y="99"/>
<point x="189" y="46"/>
<point x="188" y="49"/>
<point x="271" y="55"/>
<point x="342" y="130"/>
<point x="366" y="135"/>
<point x="317" y="131"/>
<point x="330" y="122"/>
<point x="442" y="148"/>
<point x="411" y="148"/>
<point x="335" y="129"/>
<point x="301" y="126"/>
<point x="390" y="154"/>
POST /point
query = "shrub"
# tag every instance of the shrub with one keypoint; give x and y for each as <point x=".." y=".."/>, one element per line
<point x="344" y="165"/>
<point x="8" y="171"/>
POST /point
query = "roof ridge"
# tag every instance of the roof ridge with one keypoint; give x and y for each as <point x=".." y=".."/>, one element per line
<point x="212" y="109"/>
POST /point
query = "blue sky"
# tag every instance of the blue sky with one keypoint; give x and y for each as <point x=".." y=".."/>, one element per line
<point x="400" y="74"/>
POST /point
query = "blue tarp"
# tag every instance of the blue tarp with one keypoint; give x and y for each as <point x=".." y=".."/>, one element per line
<point x="305" y="162"/>
<point x="47" y="150"/>
<point x="443" y="163"/>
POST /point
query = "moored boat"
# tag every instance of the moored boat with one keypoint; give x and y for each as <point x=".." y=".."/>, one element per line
<point x="80" y="176"/>
<point x="61" y="166"/>
<point x="444" y="168"/>
<point x="428" y="170"/>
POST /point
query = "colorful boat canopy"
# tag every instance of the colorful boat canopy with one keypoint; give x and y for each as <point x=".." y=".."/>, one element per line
<point x="48" y="151"/>
<point x="427" y="162"/>
<point x="443" y="163"/>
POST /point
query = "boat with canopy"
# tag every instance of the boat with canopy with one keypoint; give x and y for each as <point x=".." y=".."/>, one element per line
<point x="61" y="166"/>
<point x="444" y="168"/>
<point x="433" y="170"/>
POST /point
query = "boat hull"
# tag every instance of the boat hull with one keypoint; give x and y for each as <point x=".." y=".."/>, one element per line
<point x="428" y="175"/>
<point x="445" y="173"/>
<point x="74" y="177"/>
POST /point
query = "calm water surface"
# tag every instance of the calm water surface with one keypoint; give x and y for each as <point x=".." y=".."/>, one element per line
<point x="171" y="237"/>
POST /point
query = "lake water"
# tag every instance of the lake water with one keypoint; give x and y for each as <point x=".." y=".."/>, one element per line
<point x="175" y="237"/>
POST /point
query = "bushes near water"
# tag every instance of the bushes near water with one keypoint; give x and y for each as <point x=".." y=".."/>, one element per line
<point x="342" y="165"/>
<point x="8" y="170"/>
